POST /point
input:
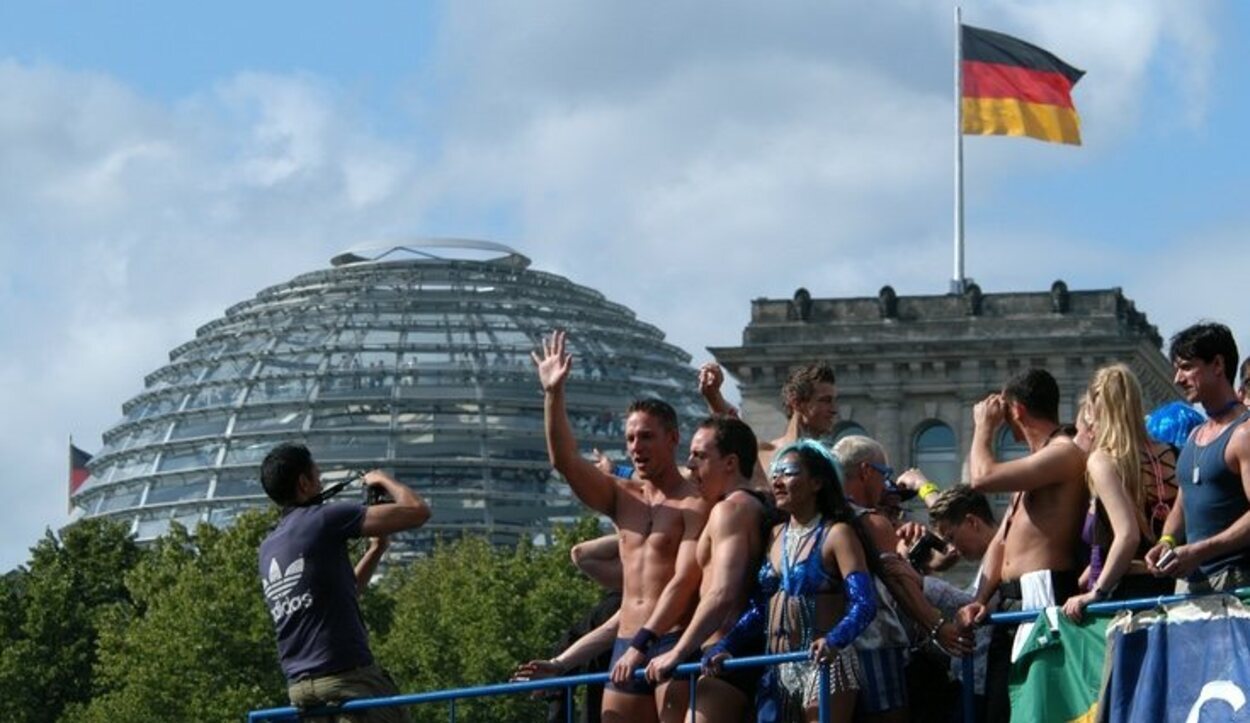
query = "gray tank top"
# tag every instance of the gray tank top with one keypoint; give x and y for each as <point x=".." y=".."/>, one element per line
<point x="1214" y="497"/>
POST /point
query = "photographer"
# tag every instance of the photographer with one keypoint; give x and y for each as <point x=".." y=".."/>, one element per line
<point x="311" y="588"/>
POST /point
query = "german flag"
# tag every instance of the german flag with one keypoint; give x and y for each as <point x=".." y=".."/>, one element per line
<point x="1012" y="88"/>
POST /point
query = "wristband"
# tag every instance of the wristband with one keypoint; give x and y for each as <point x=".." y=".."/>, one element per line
<point x="933" y="631"/>
<point x="643" y="640"/>
<point x="928" y="488"/>
<point x="1167" y="540"/>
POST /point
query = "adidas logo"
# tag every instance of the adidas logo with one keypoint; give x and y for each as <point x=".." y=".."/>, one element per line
<point x="278" y="588"/>
<point x="280" y="583"/>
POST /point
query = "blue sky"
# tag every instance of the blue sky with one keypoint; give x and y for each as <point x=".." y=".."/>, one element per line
<point x="164" y="161"/>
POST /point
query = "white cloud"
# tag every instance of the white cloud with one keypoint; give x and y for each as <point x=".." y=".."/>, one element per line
<point x="682" y="159"/>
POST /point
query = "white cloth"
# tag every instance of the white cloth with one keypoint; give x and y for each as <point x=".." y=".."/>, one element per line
<point x="1036" y="593"/>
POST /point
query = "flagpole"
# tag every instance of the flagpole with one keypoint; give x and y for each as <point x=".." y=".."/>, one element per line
<point x="957" y="276"/>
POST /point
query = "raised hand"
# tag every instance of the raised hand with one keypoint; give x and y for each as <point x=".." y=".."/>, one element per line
<point x="554" y="364"/>
<point x="990" y="412"/>
<point x="912" y="479"/>
<point x="602" y="462"/>
<point x="711" y="377"/>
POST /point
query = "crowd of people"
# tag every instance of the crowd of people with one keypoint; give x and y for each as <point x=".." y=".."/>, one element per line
<point x="788" y="545"/>
<point x="760" y="547"/>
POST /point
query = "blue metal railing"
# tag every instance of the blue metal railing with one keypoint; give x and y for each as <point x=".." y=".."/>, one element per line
<point x="692" y="670"/>
<point x="1102" y="608"/>
<point x="568" y="683"/>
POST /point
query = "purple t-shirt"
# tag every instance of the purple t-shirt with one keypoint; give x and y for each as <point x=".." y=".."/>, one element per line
<point x="310" y="590"/>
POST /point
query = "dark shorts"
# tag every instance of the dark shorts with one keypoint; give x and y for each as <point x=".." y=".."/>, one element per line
<point x="640" y="686"/>
<point x="885" y="680"/>
<point x="746" y="680"/>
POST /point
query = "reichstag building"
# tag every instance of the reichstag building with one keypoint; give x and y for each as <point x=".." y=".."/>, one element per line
<point x="412" y="358"/>
<point x="910" y="368"/>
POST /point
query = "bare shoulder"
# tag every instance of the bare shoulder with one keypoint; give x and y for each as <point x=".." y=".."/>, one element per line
<point x="840" y="531"/>
<point x="689" y="500"/>
<point x="1240" y="437"/>
<point x="1059" y="462"/>
<point x="1099" y="461"/>
<point x="1066" y="449"/>
<point x="629" y="488"/>
<point x="738" y="511"/>
<point x="879" y="530"/>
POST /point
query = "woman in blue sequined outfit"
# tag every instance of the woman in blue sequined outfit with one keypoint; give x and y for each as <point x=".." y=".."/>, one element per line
<point x="815" y="592"/>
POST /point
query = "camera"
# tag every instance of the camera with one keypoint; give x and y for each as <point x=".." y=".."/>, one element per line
<point x="921" y="550"/>
<point x="377" y="495"/>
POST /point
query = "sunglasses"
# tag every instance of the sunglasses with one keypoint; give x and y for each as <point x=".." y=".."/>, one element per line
<point x="886" y="471"/>
<point x="791" y="469"/>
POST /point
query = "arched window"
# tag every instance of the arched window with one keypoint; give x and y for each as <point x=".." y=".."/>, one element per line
<point x="1006" y="447"/>
<point x="847" y="429"/>
<point x="936" y="453"/>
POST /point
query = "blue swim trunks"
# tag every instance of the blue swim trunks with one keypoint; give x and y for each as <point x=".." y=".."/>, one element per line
<point x="640" y="686"/>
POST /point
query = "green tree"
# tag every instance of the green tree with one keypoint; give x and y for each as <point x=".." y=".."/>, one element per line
<point x="469" y="613"/>
<point x="198" y="643"/>
<point x="53" y="609"/>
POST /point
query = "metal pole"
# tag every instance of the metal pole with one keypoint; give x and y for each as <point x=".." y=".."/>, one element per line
<point x="451" y="711"/>
<point x="969" y="680"/>
<point x="694" y="692"/>
<point x="569" y="712"/>
<point x="957" y="279"/>
<point x="825" y="714"/>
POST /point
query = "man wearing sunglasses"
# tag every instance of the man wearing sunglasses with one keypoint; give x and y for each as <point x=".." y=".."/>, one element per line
<point x="883" y="647"/>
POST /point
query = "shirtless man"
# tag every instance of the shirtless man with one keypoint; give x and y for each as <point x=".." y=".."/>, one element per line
<point x="809" y="398"/>
<point x="1206" y="539"/>
<point x="1032" y="562"/>
<point x="722" y="458"/>
<point x="659" y="519"/>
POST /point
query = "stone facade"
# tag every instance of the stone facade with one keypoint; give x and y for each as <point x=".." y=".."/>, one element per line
<point x="910" y="368"/>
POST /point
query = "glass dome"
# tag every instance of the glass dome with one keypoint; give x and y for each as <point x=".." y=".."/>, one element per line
<point x="400" y="358"/>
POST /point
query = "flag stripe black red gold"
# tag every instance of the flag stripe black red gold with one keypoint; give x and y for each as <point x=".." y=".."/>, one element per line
<point x="1011" y="87"/>
<point x="78" y="472"/>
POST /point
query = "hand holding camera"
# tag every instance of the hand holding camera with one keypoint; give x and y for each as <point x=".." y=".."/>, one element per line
<point x="921" y="551"/>
<point x="375" y="482"/>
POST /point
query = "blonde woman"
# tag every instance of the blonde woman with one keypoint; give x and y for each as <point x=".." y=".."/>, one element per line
<point x="1123" y="470"/>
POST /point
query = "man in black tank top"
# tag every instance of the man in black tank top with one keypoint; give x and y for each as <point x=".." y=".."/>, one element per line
<point x="1206" y="540"/>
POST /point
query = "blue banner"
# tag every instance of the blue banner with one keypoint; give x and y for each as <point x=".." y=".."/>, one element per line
<point x="1187" y="663"/>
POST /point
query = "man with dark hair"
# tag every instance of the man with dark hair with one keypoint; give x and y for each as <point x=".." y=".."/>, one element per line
<point x="722" y="458"/>
<point x="658" y="408"/>
<point x="809" y="398"/>
<point x="1033" y="561"/>
<point x="311" y="587"/>
<point x="1212" y="509"/>
<point x="1037" y="391"/>
<point x="658" y="517"/>
<point x="963" y="517"/>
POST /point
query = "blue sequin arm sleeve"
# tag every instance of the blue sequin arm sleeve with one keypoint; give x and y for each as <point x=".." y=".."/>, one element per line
<point x="746" y="634"/>
<point x="861" y="608"/>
